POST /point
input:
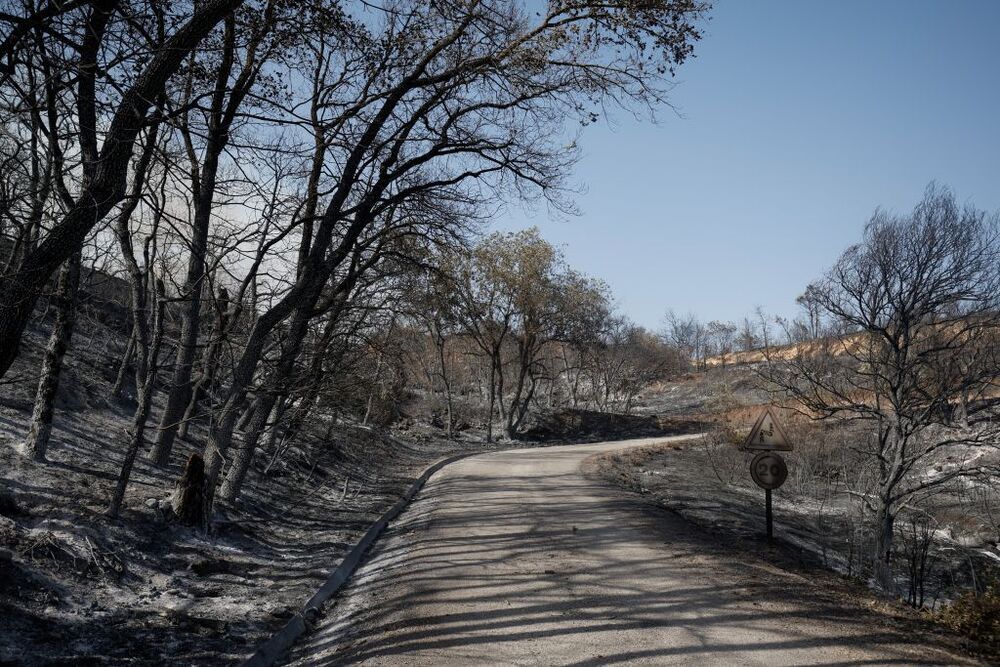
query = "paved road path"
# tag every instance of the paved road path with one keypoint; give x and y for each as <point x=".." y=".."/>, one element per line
<point x="517" y="558"/>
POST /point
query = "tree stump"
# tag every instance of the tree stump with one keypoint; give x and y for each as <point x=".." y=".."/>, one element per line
<point x="188" y="501"/>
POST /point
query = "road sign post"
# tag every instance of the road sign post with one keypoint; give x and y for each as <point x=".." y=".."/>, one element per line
<point x="768" y="469"/>
<point x="770" y="517"/>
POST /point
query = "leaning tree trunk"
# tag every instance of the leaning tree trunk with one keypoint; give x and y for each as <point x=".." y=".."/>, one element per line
<point x="244" y="453"/>
<point x="37" y="442"/>
<point x="136" y="437"/>
<point x="147" y="369"/>
<point x="119" y="385"/>
<point x="243" y="456"/>
<point x="524" y="406"/>
<point x="209" y="364"/>
<point x="194" y="405"/>
<point x="273" y="443"/>
<point x="221" y="429"/>
<point x="246" y="413"/>
<point x="515" y="413"/>
<point x="180" y="386"/>
<point x="194" y="282"/>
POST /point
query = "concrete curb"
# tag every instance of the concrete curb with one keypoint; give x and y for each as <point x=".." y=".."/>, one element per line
<point x="272" y="649"/>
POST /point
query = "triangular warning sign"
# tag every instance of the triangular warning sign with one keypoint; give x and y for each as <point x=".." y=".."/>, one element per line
<point x="767" y="435"/>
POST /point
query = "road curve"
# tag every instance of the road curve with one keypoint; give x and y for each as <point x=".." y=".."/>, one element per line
<point x="518" y="558"/>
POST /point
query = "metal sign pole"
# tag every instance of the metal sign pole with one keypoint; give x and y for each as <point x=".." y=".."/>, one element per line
<point x="770" y="521"/>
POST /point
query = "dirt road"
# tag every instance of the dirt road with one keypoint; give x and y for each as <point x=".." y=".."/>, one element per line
<point x="518" y="558"/>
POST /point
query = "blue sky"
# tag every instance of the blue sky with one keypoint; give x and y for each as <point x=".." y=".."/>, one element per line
<point x="799" y="118"/>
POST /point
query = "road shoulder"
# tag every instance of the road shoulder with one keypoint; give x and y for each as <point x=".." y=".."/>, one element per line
<point x="801" y="569"/>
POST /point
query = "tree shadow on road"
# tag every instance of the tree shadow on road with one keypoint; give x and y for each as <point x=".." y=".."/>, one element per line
<point x="479" y="571"/>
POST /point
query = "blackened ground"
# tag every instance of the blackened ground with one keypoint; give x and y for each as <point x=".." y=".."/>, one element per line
<point x="572" y="425"/>
<point x="690" y="480"/>
<point x="76" y="586"/>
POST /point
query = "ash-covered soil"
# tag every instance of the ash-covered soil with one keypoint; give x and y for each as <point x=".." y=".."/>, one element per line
<point x="684" y="478"/>
<point x="77" y="587"/>
<point x="574" y="426"/>
<point x="708" y="483"/>
<point x="141" y="588"/>
<point x="703" y="395"/>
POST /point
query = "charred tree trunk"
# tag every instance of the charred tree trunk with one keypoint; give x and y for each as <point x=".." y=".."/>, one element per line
<point x="209" y="364"/>
<point x="188" y="500"/>
<point x="518" y="404"/>
<point x="243" y="456"/>
<point x="119" y="385"/>
<point x="146" y="369"/>
<point x="244" y="453"/>
<point x="203" y="181"/>
<point x="220" y="433"/>
<point x="885" y="520"/>
<point x="37" y="442"/>
<point x="277" y="415"/>
<point x="180" y="385"/>
<point x="246" y="413"/>
<point x="147" y="325"/>
<point x="525" y="404"/>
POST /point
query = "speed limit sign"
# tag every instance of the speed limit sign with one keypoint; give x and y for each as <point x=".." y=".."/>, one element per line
<point x="768" y="470"/>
